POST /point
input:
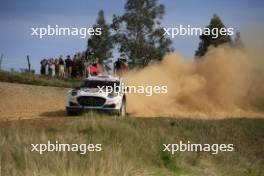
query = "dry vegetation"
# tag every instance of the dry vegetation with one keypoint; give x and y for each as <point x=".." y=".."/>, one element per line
<point x="27" y="78"/>
<point x="131" y="146"/>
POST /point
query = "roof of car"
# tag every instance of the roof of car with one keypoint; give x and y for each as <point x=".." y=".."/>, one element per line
<point x="104" y="78"/>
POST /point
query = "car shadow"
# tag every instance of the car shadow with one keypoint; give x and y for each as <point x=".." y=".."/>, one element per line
<point x="59" y="113"/>
<point x="62" y="113"/>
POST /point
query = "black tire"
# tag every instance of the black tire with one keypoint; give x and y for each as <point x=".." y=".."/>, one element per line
<point x="72" y="113"/>
<point x="122" y="110"/>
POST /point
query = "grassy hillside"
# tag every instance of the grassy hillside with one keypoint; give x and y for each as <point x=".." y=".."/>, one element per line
<point x="26" y="78"/>
<point x="131" y="146"/>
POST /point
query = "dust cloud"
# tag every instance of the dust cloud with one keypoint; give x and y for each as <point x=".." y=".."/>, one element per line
<point x="226" y="82"/>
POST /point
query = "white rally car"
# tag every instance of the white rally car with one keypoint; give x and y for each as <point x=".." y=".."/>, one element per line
<point x="94" y="94"/>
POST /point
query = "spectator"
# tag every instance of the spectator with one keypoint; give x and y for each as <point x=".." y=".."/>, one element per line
<point x="57" y="67"/>
<point x="81" y="67"/>
<point x="117" y="66"/>
<point x="68" y="64"/>
<point x="43" y="64"/>
<point x="95" y="69"/>
<point x="124" y="66"/>
<point x="47" y="67"/>
<point x="120" y="66"/>
<point x="86" y="68"/>
<point x="61" y="68"/>
<point x="51" y="67"/>
<point x="75" y="67"/>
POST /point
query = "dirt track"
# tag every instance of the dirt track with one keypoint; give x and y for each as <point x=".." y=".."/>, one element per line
<point x="19" y="101"/>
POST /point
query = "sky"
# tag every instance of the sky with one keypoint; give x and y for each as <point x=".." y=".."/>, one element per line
<point x="18" y="17"/>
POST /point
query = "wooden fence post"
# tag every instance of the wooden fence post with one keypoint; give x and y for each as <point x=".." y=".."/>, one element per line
<point x="1" y="60"/>
<point x="29" y="65"/>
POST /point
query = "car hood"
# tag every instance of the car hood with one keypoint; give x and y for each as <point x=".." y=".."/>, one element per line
<point x="92" y="92"/>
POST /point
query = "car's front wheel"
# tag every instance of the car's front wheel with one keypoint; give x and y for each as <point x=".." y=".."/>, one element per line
<point x="122" y="110"/>
<point x="72" y="113"/>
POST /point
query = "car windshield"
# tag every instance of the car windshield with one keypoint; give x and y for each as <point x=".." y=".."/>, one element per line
<point x="96" y="84"/>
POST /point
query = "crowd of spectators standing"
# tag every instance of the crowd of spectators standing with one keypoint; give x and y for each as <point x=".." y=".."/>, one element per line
<point x="80" y="66"/>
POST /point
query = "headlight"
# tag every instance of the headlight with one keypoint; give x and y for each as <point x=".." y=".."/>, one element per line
<point x="112" y="95"/>
<point x="73" y="93"/>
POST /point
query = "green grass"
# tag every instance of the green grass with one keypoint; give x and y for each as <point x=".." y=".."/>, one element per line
<point x="132" y="146"/>
<point x="27" y="78"/>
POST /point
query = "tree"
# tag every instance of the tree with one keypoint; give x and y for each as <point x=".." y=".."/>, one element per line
<point x="101" y="45"/>
<point x="211" y="39"/>
<point x="237" y="43"/>
<point x="139" y="34"/>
